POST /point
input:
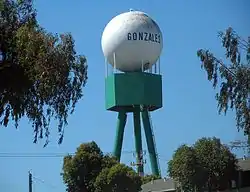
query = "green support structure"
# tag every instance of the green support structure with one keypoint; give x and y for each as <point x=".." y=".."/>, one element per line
<point x="150" y="143"/>
<point x="133" y="92"/>
<point x="125" y="90"/>
<point x="121" y="122"/>
<point x="138" y="140"/>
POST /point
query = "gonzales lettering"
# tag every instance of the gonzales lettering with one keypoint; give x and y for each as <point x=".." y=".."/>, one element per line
<point x="144" y="36"/>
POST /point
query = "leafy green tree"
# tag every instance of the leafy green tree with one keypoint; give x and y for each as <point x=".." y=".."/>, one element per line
<point x="80" y="170"/>
<point x="219" y="164"/>
<point x="89" y="170"/>
<point x="233" y="78"/>
<point x="184" y="168"/>
<point x="1" y="5"/>
<point x="207" y="164"/>
<point x="118" y="178"/>
<point x="41" y="76"/>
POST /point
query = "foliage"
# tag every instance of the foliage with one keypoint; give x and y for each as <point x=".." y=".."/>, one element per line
<point x="234" y="78"/>
<point x="1" y="5"/>
<point x="80" y="170"/>
<point x="91" y="171"/>
<point x="185" y="168"/>
<point x="206" y="164"/>
<point x="41" y="77"/>
<point x="118" y="178"/>
<point x="219" y="164"/>
<point x="149" y="178"/>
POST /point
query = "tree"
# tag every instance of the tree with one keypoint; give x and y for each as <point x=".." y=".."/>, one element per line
<point x="219" y="164"/>
<point x="207" y="164"/>
<point x="41" y="76"/>
<point x="89" y="170"/>
<point x="185" y="168"/>
<point x="234" y="78"/>
<point x="1" y="5"/>
<point x="80" y="170"/>
<point x="118" y="178"/>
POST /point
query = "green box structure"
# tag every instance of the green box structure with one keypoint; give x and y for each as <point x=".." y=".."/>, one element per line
<point x="125" y="90"/>
<point x="138" y="93"/>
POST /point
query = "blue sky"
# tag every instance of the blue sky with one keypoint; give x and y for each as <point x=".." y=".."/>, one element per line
<point x="189" y="112"/>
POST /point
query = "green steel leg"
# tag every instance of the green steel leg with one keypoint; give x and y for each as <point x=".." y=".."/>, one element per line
<point x="138" y="140"/>
<point x="150" y="143"/>
<point x="121" y="122"/>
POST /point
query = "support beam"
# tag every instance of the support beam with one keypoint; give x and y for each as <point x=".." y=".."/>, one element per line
<point x="138" y="140"/>
<point x="121" y="122"/>
<point x="150" y="143"/>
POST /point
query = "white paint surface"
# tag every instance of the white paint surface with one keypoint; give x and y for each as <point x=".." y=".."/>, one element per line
<point x="143" y="48"/>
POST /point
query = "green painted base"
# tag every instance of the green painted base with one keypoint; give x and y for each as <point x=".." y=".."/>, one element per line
<point x="126" y="90"/>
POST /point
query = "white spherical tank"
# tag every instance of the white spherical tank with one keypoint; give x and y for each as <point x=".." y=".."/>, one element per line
<point x="132" y="41"/>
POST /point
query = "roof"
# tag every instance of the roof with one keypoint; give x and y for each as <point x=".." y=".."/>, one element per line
<point x="168" y="184"/>
<point x="244" y="164"/>
<point x="159" y="185"/>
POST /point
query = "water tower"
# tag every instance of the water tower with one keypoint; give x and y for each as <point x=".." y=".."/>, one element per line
<point x="132" y="43"/>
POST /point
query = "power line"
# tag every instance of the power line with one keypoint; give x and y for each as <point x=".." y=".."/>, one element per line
<point x="43" y="155"/>
<point x="43" y="182"/>
<point x="57" y="155"/>
<point x="30" y="155"/>
<point x="33" y="178"/>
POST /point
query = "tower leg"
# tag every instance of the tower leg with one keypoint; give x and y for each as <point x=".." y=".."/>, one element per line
<point x="138" y="140"/>
<point x="150" y="143"/>
<point x="121" y="122"/>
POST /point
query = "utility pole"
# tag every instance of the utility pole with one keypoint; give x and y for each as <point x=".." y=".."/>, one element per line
<point x="244" y="145"/>
<point x="139" y="162"/>
<point x="30" y="181"/>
